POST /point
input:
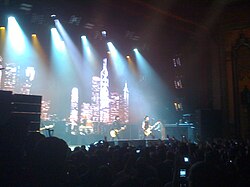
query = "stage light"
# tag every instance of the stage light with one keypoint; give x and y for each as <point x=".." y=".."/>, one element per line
<point x="119" y="61"/>
<point x="11" y="18"/>
<point x="17" y="48"/>
<point x="16" y="36"/>
<point x="116" y="58"/>
<point x="57" y="39"/>
<point x="132" y="66"/>
<point x="2" y="36"/>
<point x="144" y="67"/>
<point x="89" y="52"/>
<point x="146" y="70"/>
<point x="83" y="37"/>
<point x="112" y="48"/>
<point x="71" y="48"/>
<point x="104" y="34"/>
<point x="135" y="50"/>
<point x="86" y="46"/>
<point x="89" y="61"/>
<point x="39" y="50"/>
<point x="52" y="21"/>
<point x="60" y="60"/>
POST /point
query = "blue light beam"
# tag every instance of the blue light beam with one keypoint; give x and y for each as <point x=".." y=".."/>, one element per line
<point x="16" y="36"/>
<point x="18" y="48"/>
<point x="119" y="62"/>
<point x="60" y="58"/>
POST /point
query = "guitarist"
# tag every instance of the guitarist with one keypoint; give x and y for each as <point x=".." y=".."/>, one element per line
<point x="147" y="127"/>
<point x="116" y="125"/>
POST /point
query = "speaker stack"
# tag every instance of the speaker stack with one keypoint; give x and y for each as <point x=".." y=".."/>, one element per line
<point x="19" y="106"/>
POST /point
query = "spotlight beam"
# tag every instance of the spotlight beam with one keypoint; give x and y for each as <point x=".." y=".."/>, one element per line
<point x="118" y="61"/>
<point x="90" y="56"/>
<point x="74" y="53"/>
<point x="153" y="89"/>
<point x="16" y="36"/>
<point x="60" y="58"/>
<point x="17" y="47"/>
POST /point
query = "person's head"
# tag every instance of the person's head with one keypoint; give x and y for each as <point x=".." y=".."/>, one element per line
<point x="51" y="151"/>
<point x="117" y="118"/>
<point x="146" y="118"/>
<point x="206" y="175"/>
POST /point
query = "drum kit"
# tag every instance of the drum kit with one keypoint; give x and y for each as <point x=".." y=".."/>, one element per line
<point x="86" y="127"/>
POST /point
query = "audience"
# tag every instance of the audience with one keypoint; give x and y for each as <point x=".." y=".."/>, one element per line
<point x="35" y="160"/>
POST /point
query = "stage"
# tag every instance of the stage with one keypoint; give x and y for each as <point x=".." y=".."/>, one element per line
<point x="133" y="135"/>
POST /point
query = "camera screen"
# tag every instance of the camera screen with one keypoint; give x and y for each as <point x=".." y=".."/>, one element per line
<point x="138" y="151"/>
<point x="186" y="159"/>
<point x="182" y="172"/>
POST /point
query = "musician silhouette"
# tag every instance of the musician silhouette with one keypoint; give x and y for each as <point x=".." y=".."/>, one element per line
<point x="147" y="128"/>
<point x="116" y="126"/>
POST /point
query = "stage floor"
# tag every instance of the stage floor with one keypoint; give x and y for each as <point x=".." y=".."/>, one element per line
<point x="122" y="142"/>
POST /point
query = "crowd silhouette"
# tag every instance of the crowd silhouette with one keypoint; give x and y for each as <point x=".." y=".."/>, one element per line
<point x="31" y="159"/>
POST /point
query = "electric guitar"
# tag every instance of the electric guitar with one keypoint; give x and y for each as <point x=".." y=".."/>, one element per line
<point x="114" y="132"/>
<point x="148" y="131"/>
<point x="46" y="127"/>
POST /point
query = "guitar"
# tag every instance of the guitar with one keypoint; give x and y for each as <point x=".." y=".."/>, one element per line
<point x="113" y="133"/>
<point x="148" y="131"/>
<point x="46" y="127"/>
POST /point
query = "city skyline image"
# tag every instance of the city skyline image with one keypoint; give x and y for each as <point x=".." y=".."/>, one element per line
<point x="105" y="104"/>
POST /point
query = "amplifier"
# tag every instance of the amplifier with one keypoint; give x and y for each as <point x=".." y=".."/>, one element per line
<point x="19" y="106"/>
<point x="178" y="131"/>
